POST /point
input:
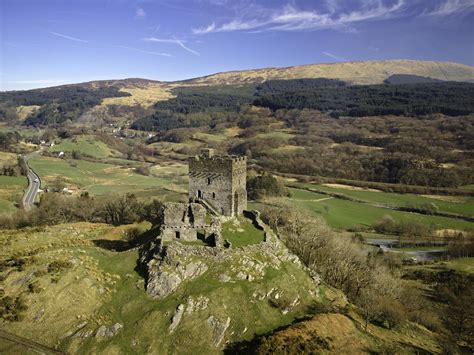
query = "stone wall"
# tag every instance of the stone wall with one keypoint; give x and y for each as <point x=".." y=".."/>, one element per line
<point x="183" y="214"/>
<point x="182" y="221"/>
<point x="220" y="181"/>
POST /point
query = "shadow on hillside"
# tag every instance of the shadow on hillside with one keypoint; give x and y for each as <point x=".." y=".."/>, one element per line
<point x="124" y="245"/>
<point x="251" y="346"/>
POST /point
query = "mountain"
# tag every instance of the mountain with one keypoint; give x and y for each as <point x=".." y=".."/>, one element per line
<point x="357" y="73"/>
<point x="147" y="92"/>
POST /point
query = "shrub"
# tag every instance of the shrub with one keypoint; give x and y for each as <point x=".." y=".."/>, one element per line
<point x="58" y="265"/>
<point x="34" y="287"/>
<point x="12" y="309"/>
<point x="265" y="185"/>
<point x="143" y="170"/>
<point x="132" y="234"/>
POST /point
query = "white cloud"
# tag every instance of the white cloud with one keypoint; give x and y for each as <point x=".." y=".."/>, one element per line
<point x="140" y="13"/>
<point x="452" y="7"/>
<point x="69" y="37"/>
<point x="178" y="42"/>
<point x="203" y="30"/>
<point x="143" y="51"/>
<point x="335" y="57"/>
<point x="290" y="18"/>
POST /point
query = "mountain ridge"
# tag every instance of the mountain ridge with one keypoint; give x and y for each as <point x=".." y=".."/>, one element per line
<point x="353" y="72"/>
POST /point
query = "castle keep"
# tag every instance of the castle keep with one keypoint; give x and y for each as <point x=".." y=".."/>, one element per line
<point x="219" y="181"/>
<point x="217" y="187"/>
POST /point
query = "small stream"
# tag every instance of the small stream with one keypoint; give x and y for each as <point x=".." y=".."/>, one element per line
<point x="388" y="245"/>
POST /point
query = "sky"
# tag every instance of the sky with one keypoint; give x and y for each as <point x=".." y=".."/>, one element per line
<point x="53" y="42"/>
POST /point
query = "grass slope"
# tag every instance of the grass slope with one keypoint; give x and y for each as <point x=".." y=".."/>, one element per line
<point x="102" y="287"/>
<point x="11" y="190"/>
<point x="368" y="72"/>
<point x="102" y="179"/>
<point x="84" y="144"/>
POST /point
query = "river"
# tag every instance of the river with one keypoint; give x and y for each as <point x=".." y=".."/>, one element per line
<point x="387" y="245"/>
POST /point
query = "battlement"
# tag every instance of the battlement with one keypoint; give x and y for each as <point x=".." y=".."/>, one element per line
<point x="208" y="154"/>
<point x="207" y="162"/>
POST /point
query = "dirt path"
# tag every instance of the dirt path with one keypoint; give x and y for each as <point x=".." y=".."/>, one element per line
<point x="30" y="344"/>
<point x="322" y="199"/>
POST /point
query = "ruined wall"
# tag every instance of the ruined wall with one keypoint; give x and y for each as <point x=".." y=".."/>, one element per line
<point x="182" y="221"/>
<point x="220" y="181"/>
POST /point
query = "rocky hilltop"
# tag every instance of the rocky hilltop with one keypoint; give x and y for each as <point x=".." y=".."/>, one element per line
<point x="79" y="295"/>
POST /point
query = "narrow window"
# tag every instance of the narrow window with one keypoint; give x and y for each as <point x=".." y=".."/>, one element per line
<point x="214" y="195"/>
<point x="208" y="181"/>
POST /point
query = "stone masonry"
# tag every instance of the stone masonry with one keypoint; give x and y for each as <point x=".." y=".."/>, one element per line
<point x="188" y="221"/>
<point x="219" y="181"/>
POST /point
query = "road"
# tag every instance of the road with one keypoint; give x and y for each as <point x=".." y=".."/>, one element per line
<point x="33" y="186"/>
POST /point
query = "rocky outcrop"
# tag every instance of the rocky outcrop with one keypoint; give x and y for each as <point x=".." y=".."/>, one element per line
<point x="166" y="273"/>
<point x="218" y="329"/>
<point x="176" y="318"/>
<point x="107" y="332"/>
<point x="168" y="266"/>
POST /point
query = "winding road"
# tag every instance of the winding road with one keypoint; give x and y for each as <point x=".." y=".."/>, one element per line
<point x="33" y="185"/>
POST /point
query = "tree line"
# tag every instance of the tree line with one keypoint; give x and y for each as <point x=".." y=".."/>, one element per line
<point x="55" y="209"/>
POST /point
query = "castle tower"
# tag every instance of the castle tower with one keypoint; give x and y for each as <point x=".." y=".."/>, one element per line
<point x="220" y="181"/>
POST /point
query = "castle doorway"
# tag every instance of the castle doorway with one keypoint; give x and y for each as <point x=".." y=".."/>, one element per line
<point x="178" y="235"/>
<point x="199" y="194"/>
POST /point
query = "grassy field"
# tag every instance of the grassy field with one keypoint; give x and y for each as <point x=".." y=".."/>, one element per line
<point x="85" y="144"/>
<point x="104" y="179"/>
<point x="343" y="214"/>
<point x="241" y="232"/>
<point x="24" y="111"/>
<point x="462" y="264"/>
<point x="463" y="205"/>
<point x="11" y="190"/>
<point x="23" y="130"/>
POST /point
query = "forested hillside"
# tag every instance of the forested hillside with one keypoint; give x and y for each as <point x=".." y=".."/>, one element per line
<point x="415" y="129"/>
<point x="452" y="99"/>
<point x="57" y="105"/>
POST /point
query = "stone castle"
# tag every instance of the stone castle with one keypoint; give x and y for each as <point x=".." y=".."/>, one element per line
<point x="217" y="188"/>
<point x="220" y="181"/>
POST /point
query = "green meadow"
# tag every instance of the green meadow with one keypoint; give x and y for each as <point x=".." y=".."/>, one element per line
<point x="344" y="214"/>
<point x="85" y="144"/>
<point x="463" y="205"/>
<point x="11" y="190"/>
<point x="104" y="179"/>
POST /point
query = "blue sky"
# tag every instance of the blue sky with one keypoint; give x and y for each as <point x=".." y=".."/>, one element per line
<point x="53" y="42"/>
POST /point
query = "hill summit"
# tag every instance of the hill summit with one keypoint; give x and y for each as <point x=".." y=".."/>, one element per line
<point x="357" y="73"/>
